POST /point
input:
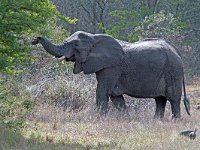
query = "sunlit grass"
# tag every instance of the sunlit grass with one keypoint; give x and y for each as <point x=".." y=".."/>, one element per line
<point x="88" y="130"/>
<point x="47" y="126"/>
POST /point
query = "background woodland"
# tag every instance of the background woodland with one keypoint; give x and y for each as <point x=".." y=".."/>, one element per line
<point x="44" y="106"/>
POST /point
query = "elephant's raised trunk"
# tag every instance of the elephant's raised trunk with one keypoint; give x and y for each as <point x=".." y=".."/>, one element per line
<point x="63" y="51"/>
<point x="55" y="50"/>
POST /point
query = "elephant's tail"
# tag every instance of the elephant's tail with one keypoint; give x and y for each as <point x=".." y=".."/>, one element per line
<point x="185" y="99"/>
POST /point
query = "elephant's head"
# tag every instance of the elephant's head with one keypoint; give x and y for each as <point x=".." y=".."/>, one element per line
<point x="91" y="52"/>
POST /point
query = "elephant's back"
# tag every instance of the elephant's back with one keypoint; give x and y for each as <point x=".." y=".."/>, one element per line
<point x="145" y="62"/>
<point x="153" y="50"/>
<point x="152" y="56"/>
<point x="149" y="44"/>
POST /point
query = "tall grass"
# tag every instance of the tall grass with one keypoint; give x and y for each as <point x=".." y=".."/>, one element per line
<point x="77" y="121"/>
<point x="57" y="111"/>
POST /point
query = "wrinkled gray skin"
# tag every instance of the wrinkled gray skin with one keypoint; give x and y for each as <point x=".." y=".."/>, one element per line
<point x="151" y="68"/>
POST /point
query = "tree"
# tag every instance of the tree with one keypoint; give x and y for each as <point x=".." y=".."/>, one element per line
<point x="18" y="19"/>
<point x="93" y="15"/>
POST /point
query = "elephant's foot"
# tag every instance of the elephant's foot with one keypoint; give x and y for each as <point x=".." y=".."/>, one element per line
<point x="176" y="117"/>
<point x="102" y="110"/>
<point x="159" y="114"/>
<point x="175" y="120"/>
<point x="159" y="117"/>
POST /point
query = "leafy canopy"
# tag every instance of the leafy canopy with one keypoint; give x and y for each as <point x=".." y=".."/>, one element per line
<point x="18" y="19"/>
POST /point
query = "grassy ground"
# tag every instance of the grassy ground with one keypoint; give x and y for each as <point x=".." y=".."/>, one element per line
<point x="47" y="126"/>
<point x="12" y="140"/>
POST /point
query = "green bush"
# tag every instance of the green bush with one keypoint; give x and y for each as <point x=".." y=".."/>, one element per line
<point x="159" y="25"/>
<point x="15" y="103"/>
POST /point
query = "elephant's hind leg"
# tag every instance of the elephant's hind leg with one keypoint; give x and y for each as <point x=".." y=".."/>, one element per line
<point x="175" y="106"/>
<point x="160" y="107"/>
<point x="174" y="97"/>
<point x="118" y="102"/>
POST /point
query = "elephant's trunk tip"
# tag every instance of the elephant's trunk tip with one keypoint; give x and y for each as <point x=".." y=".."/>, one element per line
<point x="36" y="40"/>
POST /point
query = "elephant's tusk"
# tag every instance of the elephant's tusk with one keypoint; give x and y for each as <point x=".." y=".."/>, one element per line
<point x="61" y="58"/>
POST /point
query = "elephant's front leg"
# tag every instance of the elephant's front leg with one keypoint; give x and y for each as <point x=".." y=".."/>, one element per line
<point x="107" y="79"/>
<point x="118" y="102"/>
<point x="102" y="98"/>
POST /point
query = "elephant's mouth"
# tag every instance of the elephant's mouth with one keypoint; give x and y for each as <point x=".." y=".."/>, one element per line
<point x="72" y="58"/>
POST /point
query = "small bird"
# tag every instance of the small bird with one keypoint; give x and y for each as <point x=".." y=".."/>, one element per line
<point x="189" y="133"/>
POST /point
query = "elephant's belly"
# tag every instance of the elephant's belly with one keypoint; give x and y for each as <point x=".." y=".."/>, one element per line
<point x="147" y="88"/>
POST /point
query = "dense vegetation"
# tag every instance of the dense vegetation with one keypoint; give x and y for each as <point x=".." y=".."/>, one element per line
<point x="19" y="20"/>
<point x="50" y="105"/>
<point x="131" y="20"/>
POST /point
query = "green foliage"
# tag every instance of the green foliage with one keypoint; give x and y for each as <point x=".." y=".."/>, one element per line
<point x="15" y="103"/>
<point x="18" y="20"/>
<point x="136" y="25"/>
<point x="159" y="25"/>
<point x="126" y="21"/>
<point x="15" y="97"/>
<point x="68" y="19"/>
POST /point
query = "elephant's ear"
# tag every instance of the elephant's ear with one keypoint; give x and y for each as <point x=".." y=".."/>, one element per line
<point x="106" y="52"/>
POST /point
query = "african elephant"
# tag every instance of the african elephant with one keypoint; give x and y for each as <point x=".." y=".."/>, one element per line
<point x="150" y="68"/>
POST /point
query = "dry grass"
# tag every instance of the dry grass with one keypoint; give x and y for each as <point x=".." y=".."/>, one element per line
<point x="83" y="126"/>
<point x="64" y="117"/>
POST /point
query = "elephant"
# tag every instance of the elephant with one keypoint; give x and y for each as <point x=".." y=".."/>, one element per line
<point x="149" y="68"/>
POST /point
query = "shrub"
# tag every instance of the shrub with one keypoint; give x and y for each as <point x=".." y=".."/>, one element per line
<point x="15" y="103"/>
